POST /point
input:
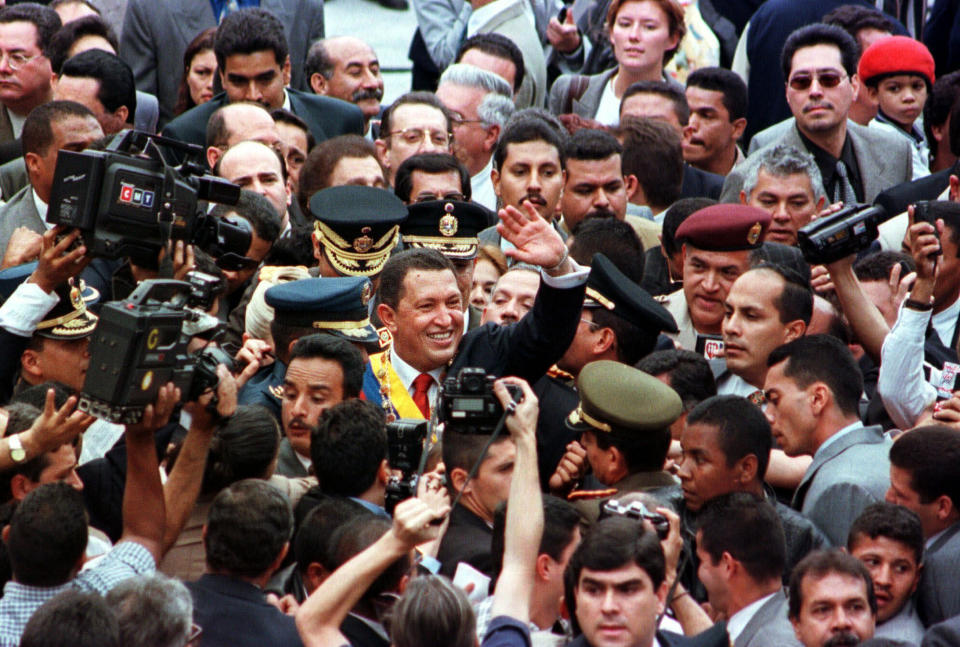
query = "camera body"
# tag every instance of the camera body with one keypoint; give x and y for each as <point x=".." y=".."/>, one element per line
<point x="128" y="200"/>
<point x="138" y="346"/>
<point x="468" y="405"/>
<point x="405" y="444"/>
<point x="636" y="510"/>
<point x="846" y="232"/>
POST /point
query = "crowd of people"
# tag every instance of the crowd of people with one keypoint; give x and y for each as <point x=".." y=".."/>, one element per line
<point x="631" y="323"/>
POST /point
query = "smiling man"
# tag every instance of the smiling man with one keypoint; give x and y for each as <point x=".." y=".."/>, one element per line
<point x="813" y="389"/>
<point x="348" y="69"/>
<point x="716" y="243"/>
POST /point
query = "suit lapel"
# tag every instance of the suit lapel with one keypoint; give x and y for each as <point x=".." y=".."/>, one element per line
<point x="944" y="538"/>
<point x="764" y="615"/>
<point x="862" y="435"/>
<point x="586" y="106"/>
<point x="871" y="162"/>
<point x="298" y="107"/>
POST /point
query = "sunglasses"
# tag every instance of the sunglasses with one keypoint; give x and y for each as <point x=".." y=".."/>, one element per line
<point x="825" y="79"/>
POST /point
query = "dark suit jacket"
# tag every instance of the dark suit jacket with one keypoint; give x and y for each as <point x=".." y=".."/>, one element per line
<point x="897" y="198"/>
<point x="698" y="183"/>
<point x="326" y="117"/>
<point x="944" y="634"/>
<point x="20" y="211"/>
<point x="287" y="462"/>
<point x="233" y="612"/>
<point x="938" y="596"/>
<point x="715" y="636"/>
<point x="467" y="540"/>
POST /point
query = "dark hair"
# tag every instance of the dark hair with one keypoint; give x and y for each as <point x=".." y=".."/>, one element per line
<point x="642" y="452"/>
<point x="243" y="448"/>
<point x="48" y="534"/>
<point x="463" y="451"/>
<point x="348" y="446"/>
<point x="296" y="248"/>
<point x="318" y="61"/>
<point x="20" y="417"/>
<point x="284" y="116"/>
<point x="930" y="454"/>
<point x="200" y="43"/>
<point x="397" y="267"/>
<point x="943" y="95"/>
<point x="718" y="79"/>
<point x="821" y="563"/>
<point x="312" y="543"/>
<point x="64" y="39"/>
<point x="854" y="18"/>
<point x="217" y="133"/>
<point x="822" y="358"/>
<point x="323" y="346"/>
<point x="72" y="619"/>
<point x="742" y="429"/>
<point x="663" y="89"/>
<point x="411" y="98"/>
<point x="821" y="34"/>
<point x="633" y="342"/>
<point x="499" y="46"/>
<point x="45" y="19"/>
<point x="653" y="154"/>
<point x="890" y="521"/>
<point x="432" y="611"/>
<point x="877" y="266"/>
<point x="748" y="528"/>
<point x="528" y="129"/>
<point x="590" y="144"/>
<point x="432" y="164"/>
<point x="247" y="31"/>
<point x="688" y="374"/>
<point x="248" y="525"/>
<point x="679" y="211"/>
<point x="795" y="300"/>
<point x="37" y="135"/>
<point x="323" y="159"/>
<point x="614" y="238"/>
<point x="613" y="543"/>
<point x="116" y="78"/>
<point x="255" y="209"/>
<point x="358" y="534"/>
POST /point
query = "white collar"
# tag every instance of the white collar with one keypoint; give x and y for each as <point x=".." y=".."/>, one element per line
<point x="846" y="430"/>
<point x="41" y="208"/>
<point x="739" y="620"/>
<point x="286" y="100"/>
<point x="407" y="373"/>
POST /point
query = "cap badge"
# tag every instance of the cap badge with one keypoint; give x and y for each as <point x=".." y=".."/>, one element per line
<point x="367" y="293"/>
<point x="754" y="234"/>
<point x="449" y="225"/>
<point x="362" y="244"/>
<point x="76" y="299"/>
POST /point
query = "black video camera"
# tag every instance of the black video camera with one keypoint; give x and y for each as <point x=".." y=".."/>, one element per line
<point x="468" y="405"/>
<point x="138" y="346"/>
<point x="405" y="445"/>
<point x="129" y="200"/>
<point x="636" y="510"/>
<point x="846" y="232"/>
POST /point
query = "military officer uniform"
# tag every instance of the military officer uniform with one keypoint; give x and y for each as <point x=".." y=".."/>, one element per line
<point x="626" y="409"/>
<point x="717" y="228"/>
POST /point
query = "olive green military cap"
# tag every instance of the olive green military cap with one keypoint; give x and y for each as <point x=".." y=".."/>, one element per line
<point x="615" y="397"/>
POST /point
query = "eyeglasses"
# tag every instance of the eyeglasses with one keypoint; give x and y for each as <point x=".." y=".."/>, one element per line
<point x="454" y="196"/>
<point x="457" y="120"/>
<point x="17" y="60"/>
<point x="414" y="136"/>
<point x="829" y="79"/>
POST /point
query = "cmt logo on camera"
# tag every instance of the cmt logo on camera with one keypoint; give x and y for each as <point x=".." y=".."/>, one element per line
<point x="129" y="194"/>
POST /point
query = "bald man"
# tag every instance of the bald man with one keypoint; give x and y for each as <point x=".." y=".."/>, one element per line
<point x="347" y="68"/>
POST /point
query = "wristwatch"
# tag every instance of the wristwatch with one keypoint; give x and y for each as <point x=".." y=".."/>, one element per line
<point x="17" y="452"/>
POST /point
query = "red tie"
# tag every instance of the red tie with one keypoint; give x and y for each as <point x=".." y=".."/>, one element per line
<point x="421" y="387"/>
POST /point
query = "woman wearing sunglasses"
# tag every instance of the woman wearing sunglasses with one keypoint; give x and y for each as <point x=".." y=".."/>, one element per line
<point x="644" y="34"/>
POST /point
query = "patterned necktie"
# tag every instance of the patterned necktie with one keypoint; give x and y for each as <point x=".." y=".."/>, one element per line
<point x="843" y="190"/>
<point x="757" y="397"/>
<point x="421" y="389"/>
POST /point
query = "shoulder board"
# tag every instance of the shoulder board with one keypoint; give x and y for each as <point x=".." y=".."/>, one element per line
<point x="276" y="391"/>
<point x="587" y="495"/>
<point x="559" y="374"/>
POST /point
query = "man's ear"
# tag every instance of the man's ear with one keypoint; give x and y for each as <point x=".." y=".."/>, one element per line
<point x="383" y="472"/>
<point x="20" y="487"/>
<point x="492" y="135"/>
<point x="458" y="476"/>
<point x="542" y="566"/>
<point x="631" y="183"/>
<point x="122" y="113"/>
<point x="33" y="163"/>
<point x="6" y="533"/>
<point x="743" y="197"/>
<point x="495" y="180"/>
<point x="606" y="341"/>
<point x="746" y="469"/>
<point x="286" y="71"/>
<point x="318" y="83"/>
<point x="213" y="156"/>
<point x="381" y="146"/>
<point x="945" y="507"/>
<point x="30" y="364"/>
<point x="388" y="316"/>
<point x="954" y="188"/>
<point x="739" y="125"/>
<point x="794" y="330"/>
<point x="314" y="576"/>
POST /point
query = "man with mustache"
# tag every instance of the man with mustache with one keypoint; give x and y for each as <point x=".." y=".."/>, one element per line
<point x="856" y="163"/>
<point x="718" y="116"/>
<point x="348" y="69"/>
<point x="832" y="603"/>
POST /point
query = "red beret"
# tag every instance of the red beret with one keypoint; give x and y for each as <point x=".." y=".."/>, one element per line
<point x="896" y="55"/>
<point x="724" y="228"/>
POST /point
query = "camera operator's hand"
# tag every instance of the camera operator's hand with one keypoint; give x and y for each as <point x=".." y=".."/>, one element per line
<point x="183" y="261"/>
<point x="56" y="264"/>
<point x="156" y="415"/>
<point x="536" y="241"/>
<point x="571" y="468"/>
<point x="564" y="36"/>
<point x="924" y="241"/>
<point x="432" y="491"/>
<point x="254" y="354"/>
<point x="899" y="287"/>
<point x="523" y="421"/>
<point x="672" y="544"/>
<point x="24" y="246"/>
<point x="414" y="521"/>
<point x="226" y="401"/>
<point x="54" y="427"/>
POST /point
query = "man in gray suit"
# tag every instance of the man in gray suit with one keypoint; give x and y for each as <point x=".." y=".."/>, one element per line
<point x="923" y="478"/>
<point x="856" y="163"/>
<point x="155" y="35"/>
<point x="813" y="390"/>
<point x="740" y="545"/>
<point x="54" y="126"/>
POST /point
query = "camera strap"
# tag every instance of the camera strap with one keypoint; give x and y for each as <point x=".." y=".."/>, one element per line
<point x="476" y="466"/>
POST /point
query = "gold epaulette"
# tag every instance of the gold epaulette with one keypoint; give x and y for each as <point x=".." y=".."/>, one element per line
<point x="559" y="374"/>
<point x="590" y="495"/>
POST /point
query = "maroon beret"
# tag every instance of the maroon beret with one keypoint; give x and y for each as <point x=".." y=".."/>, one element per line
<point x="896" y="55"/>
<point x="724" y="228"/>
